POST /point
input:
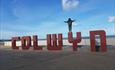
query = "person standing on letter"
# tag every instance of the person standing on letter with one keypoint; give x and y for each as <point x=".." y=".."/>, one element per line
<point x="69" y="22"/>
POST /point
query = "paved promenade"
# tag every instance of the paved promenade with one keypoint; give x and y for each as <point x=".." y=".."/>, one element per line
<point x="60" y="60"/>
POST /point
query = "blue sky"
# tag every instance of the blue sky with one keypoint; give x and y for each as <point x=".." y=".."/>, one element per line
<point x="41" y="17"/>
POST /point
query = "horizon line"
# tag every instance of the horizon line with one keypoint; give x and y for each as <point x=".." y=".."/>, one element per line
<point x="85" y="37"/>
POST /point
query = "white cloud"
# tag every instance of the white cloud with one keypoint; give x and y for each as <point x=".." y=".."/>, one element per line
<point x="111" y="19"/>
<point x="69" y="4"/>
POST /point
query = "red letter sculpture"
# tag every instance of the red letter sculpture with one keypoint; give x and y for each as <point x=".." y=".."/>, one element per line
<point x="102" y="34"/>
<point x="52" y="43"/>
<point x="74" y="41"/>
<point x="35" y="43"/>
<point x="26" y="42"/>
<point x="14" y="42"/>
